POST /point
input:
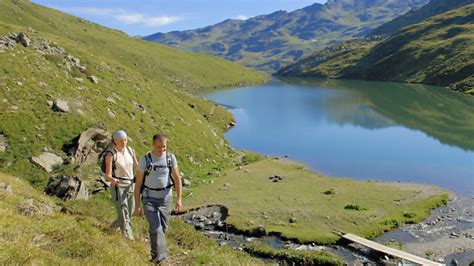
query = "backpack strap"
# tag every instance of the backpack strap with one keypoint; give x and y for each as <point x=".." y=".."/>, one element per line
<point x="148" y="169"/>
<point x="169" y="162"/>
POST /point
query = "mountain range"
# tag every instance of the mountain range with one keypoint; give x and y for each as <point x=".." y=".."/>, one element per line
<point x="438" y="50"/>
<point x="268" y="42"/>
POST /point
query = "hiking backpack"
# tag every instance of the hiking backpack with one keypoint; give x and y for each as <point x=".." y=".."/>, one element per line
<point x="149" y="168"/>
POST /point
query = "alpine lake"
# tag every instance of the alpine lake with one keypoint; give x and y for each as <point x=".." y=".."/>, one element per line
<point x="358" y="129"/>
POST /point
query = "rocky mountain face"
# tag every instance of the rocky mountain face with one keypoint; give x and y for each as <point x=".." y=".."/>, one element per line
<point x="270" y="41"/>
<point x="433" y="8"/>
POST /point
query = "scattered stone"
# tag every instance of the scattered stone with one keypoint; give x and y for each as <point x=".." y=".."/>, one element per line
<point x="225" y="186"/>
<point x="199" y="226"/>
<point x="292" y="220"/>
<point x="232" y="123"/>
<point x="23" y="39"/>
<point x="47" y="161"/>
<point x="185" y="182"/>
<point x="3" y="143"/>
<point x="110" y="100"/>
<point x="192" y="105"/>
<point x="67" y="187"/>
<point x="61" y="106"/>
<point x="260" y="231"/>
<point x="93" y="79"/>
<point x="31" y="207"/>
<point x="111" y="114"/>
<point x="6" y="188"/>
<point x="42" y="84"/>
<point x="80" y="80"/>
<point x="140" y="107"/>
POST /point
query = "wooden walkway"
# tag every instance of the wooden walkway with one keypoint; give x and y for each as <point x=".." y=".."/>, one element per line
<point x="390" y="251"/>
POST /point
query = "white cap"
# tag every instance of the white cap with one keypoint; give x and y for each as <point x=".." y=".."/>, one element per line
<point x="119" y="135"/>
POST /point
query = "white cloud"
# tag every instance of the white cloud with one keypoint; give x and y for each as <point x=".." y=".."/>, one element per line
<point x="124" y="16"/>
<point x="242" y="17"/>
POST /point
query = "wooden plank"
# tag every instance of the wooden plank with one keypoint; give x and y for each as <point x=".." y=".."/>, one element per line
<point x="390" y="251"/>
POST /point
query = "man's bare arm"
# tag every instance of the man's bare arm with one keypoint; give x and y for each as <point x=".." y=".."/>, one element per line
<point x="178" y="185"/>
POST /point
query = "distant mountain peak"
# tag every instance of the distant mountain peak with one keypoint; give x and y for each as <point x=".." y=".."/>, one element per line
<point x="270" y="41"/>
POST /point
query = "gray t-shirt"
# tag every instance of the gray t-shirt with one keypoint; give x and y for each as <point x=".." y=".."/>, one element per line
<point x="159" y="175"/>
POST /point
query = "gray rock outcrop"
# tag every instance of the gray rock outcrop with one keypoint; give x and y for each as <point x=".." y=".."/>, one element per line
<point x="61" y="106"/>
<point x="87" y="147"/>
<point x="67" y="187"/>
<point x="47" y="161"/>
<point x="23" y="39"/>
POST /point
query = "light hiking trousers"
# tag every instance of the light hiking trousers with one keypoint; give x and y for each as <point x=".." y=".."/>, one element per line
<point x="157" y="212"/>
<point x="124" y="204"/>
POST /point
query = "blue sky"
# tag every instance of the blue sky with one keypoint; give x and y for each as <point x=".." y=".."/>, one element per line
<point x="150" y="16"/>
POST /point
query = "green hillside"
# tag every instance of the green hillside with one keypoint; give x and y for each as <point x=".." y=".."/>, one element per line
<point x="42" y="230"/>
<point x="131" y="72"/>
<point x="433" y="8"/>
<point x="108" y="80"/>
<point x="331" y="61"/>
<point x="271" y="41"/>
<point x="438" y="51"/>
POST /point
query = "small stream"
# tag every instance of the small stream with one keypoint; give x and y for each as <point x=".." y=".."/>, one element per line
<point x="451" y="225"/>
<point x="210" y="221"/>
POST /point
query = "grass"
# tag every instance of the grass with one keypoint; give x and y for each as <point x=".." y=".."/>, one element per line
<point x="253" y="200"/>
<point x="299" y="257"/>
<point x="80" y="234"/>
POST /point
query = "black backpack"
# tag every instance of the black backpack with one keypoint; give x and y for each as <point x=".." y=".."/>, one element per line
<point x="149" y="168"/>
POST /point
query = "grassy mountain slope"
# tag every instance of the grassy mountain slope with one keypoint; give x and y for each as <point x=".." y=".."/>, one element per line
<point x="433" y="8"/>
<point x="271" y="41"/>
<point x="41" y="230"/>
<point x="331" y="61"/>
<point x="439" y="51"/>
<point x="143" y="88"/>
<point x="128" y="70"/>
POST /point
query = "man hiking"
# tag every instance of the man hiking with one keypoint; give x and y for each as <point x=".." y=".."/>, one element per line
<point x="120" y="162"/>
<point x="156" y="174"/>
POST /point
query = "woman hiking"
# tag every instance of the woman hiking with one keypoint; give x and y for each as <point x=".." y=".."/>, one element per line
<point x="120" y="166"/>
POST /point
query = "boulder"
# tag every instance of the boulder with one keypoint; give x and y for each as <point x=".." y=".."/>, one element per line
<point x="93" y="79"/>
<point x="61" y="106"/>
<point x="47" y="161"/>
<point x="185" y="182"/>
<point x="67" y="187"/>
<point x="23" y="39"/>
<point x="86" y="148"/>
<point x="3" y="143"/>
